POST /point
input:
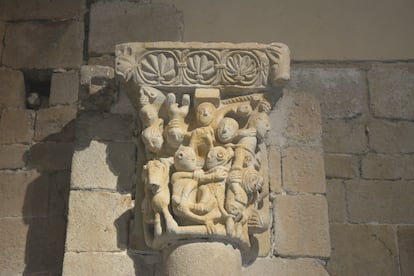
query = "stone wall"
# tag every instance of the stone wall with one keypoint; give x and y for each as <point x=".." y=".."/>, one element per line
<point x="48" y="47"/>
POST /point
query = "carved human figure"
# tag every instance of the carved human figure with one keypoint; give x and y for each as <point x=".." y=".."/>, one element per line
<point x="176" y="128"/>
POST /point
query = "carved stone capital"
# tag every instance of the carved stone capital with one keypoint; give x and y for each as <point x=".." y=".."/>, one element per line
<point x="203" y="110"/>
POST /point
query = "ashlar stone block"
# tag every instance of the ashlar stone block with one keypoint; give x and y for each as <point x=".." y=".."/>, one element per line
<point x="301" y="226"/>
<point x="363" y="250"/>
<point x="104" y="166"/>
<point x="12" y="88"/>
<point x="64" y="88"/>
<point x="391" y="88"/>
<point x="342" y="92"/>
<point x="55" y="124"/>
<point x="336" y="196"/>
<point x="284" y="266"/>
<point x="13" y="156"/>
<point x="16" y="126"/>
<point x="111" y="23"/>
<point x="380" y="201"/>
<point x="3" y="27"/>
<point x="91" y="227"/>
<point x="391" y="137"/>
<point x="406" y="249"/>
<point x="341" y="165"/>
<point x="43" y="45"/>
<point x="51" y="156"/>
<point x="303" y="170"/>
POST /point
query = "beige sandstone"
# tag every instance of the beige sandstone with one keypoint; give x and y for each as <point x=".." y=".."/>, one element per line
<point x="64" y="88"/>
<point x="275" y="169"/>
<point x="50" y="156"/>
<point x="391" y="136"/>
<point x="12" y="87"/>
<point x="55" y="124"/>
<point x="336" y="196"/>
<point x="405" y="235"/>
<point x="341" y="165"/>
<point x="16" y="126"/>
<point x="13" y="156"/>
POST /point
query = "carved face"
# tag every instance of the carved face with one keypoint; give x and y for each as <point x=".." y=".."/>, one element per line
<point x="148" y="114"/>
<point x="174" y="136"/>
<point x="227" y="130"/>
<point x="152" y="137"/>
<point x="262" y="125"/>
<point x="244" y="110"/>
<point x="218" y="156"/>
<point x="185" y="159"/>
<point x="205" y="113"/>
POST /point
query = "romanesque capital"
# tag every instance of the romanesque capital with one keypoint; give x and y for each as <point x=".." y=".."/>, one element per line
<point x="203" y="112"/>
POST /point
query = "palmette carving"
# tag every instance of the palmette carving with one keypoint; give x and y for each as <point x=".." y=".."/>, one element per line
<point x="205" y="168"/>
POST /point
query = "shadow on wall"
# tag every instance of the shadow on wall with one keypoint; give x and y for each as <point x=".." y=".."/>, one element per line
<point x="46" y="201"/>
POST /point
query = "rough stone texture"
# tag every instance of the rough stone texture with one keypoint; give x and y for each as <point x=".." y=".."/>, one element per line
<point x="41" y="9"/>
<point x="44" y="45"/>
<point x="341" y="165"/>
<point x="55" y="124"/>
<point x="391" y="137"/>
<point x="380" y="201"/>
<point x="98" y="91"/>
<point x="385" y="166"/>
<point x="59" y="185"/>
<point x="104" y="60"/>
<point x="104" y="126"/>
<point x="342" y="92"/>
<point x="391" y="88"/>
<point x="295" y="120"/>
<point x="23" y="194"/>
<point x="363" y="250"/>
<point x="336" y="196"/>
<point x="51" y="156"/>
<point x="406" y="249"/>
<point x="202" y="258"/>
<point x="275" y="169"/>
<point x="23" y="246"/>
<point x="303" y="170"/>
<point x="16" y="126"/>
<point x="128" y="21"/>
<point x="344" y="136"/>
<point x="64" y="88"/>
<point x="122" y="104"/>
<point x="91" y="227"/>
<point x="56" y="244"/>
<point x="281" y="266"/>
<point x="104" y="263"/>
<point x="3" y="27"/>
<point x="104" y="166"/>
<point x="12" y="89"/>
<point x="13" y="156"/>
<point x="301" y="226"/>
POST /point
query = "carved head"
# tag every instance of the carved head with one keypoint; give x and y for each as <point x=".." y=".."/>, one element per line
<point x="148" y="114"/>
<point x="218" y="156"/>
<point x="205" y="113"/>
<point x="227" y="130"/>
<point x="262" y="124"/>
<point x="174" y="133"/>
<point x="152" y="136"/>
<point x="185" y="159"/>
<point x="244" y="110"/>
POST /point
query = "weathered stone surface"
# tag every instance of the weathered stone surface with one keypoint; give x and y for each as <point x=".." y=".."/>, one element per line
<point x="55" y="124"/>
<point x="295" y="120"/>
<point x="3" y="27"/>
<point x="391" y="88"/>
<point x="23" y="194"/>
<point x="202" y="258"/>
<point x="97" y="87"/>
<point x="128" y="21"/>
<point x="391" y="137"/>
<point x="56" y="230"/>
<point x="13" y="156"/>
<point x="23" y="245"/>
<point x="336" y="196"/>
<point x="342" y="92"/>
<point x="301" y="225"/>
<point x="341" y="165"/>
<point x="113" y="166"/>
<point x="104" y="60"/>
<point x="386" y="166"/>
<point x="282" y="266"/>
<point x="380" y="201"/>
<point x="91" y="227"/>
<point x="122" y="104"/>
<point x="406" y="249"/>
<point x="44" y="45"/>
<point x="344" y="136"/>
<point x="303" y="170"/>
<point x="51" y="156"/>
<point x="16" y="126"/>
<point x="13" y="10"/>
<point x="363" y="250"/>
<point x="64" y="88"/>
<point x="104" y="126"/>
<point x="103" y="263"/>
<point x="12" y="89"/>
<point x="59" y="185"/>
<point x="275" y="169"/>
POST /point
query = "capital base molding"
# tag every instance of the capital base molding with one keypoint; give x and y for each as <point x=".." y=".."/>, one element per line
<point x="203" y="119"/>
